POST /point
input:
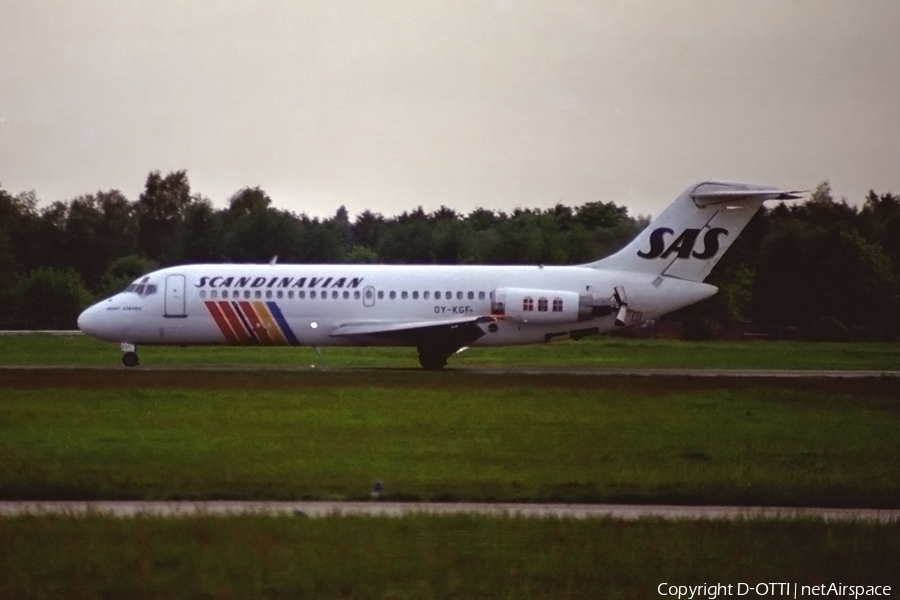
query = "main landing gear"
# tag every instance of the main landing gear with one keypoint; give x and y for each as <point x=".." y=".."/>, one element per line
<point x="130" y="358"/>
<point x="432" y="360"/>
<point x="436" y="346"/>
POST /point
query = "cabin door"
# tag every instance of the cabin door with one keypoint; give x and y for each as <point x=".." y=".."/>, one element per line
<point x="175" y="297"/>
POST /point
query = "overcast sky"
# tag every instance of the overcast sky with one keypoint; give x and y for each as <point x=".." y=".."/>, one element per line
<point x="391" y="105"/>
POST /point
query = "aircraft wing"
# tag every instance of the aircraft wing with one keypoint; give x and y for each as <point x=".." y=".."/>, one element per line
<point x="412" y="328"/>
<point x="436" y="339"/>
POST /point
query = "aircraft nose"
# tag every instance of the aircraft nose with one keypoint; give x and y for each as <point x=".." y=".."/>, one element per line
<point x="105" y="321"/>
<point x="89" y="320"/>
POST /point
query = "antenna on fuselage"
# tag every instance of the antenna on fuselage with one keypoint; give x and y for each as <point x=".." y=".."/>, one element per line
<point x="274" y="260"/>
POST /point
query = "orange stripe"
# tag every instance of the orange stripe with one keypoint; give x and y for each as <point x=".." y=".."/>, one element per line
<point x="269" y="323"/>
<point x="224" y="327"/>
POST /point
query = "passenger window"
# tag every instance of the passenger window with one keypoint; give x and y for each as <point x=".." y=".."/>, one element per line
<point x="356" y="295"/>
<point x="301" y="295"/>
<point x="380" y="294"/>
<point x="246" y="294"/>
<point x="437" y="295"/>
<point x="459" y="295"/>
<point x="471" y="295"/>
<point x="542" y="304"/>
<point x="214" y="294"/>
<point x="449" y="295"/>
<point x="393" y="295"/>
<point x="527" y="303"/>
<point x="224" y="293"/>
<point x="279" y="294"/>
<point x="291" y="295"/>
<point x="368" y="294"/>
<point x="257" y="294"/>
<point x="312" y="295"/>
<point x="268" y="294"/>
<point x="557" y="305"/>
<point x="415" y="295"/>
<point x="334" y="295"/>
<point x="203" y="294"/>
<point x="481" y="295"/>
<point x="346" y="295"/>
<point x="425" y="295"/>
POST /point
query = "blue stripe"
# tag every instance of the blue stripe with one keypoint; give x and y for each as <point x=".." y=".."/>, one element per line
<point x="282" y="324"/>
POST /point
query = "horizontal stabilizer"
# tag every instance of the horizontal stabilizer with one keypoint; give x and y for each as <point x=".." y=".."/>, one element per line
<point x="704" y="196"/>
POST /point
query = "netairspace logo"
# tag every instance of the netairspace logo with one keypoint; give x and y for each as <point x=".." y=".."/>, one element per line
<point x="791" y="590"/>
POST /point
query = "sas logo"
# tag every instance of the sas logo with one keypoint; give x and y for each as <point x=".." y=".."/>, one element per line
<point x="683" y="245"/>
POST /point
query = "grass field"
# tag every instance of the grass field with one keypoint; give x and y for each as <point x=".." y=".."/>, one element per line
<point x="590" y="352"/>
<point x="448" y="436"/>
<point x="427" y="557"/>
<point x="270" y="434"/>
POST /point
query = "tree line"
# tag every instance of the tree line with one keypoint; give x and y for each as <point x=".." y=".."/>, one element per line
<point x="821" y="269"/>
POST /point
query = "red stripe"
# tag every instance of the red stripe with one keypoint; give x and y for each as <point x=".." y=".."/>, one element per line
<point x="256" y="324"/>
<point x="235" y="322"/>
<point x="224" y="327"/>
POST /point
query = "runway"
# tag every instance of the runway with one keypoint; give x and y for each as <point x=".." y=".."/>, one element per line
<point x="624" y="512"/>
<point x="653" y="372"/>
<point x="505" y="371"/>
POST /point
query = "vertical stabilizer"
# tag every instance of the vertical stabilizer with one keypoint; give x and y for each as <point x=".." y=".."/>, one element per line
<point x="694" y="232"/>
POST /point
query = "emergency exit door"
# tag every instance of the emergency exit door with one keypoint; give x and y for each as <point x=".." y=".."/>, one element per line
<point x="369" y="296"/>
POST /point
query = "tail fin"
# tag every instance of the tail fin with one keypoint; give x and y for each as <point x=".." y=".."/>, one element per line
<point x="691" y="235"/>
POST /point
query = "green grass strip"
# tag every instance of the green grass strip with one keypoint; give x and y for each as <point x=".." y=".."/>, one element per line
<point x="427" y="557"/>
<point x="449" y="436"/>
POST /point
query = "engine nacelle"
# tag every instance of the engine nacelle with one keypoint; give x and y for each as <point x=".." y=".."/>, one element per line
<point x="537" y="306"/>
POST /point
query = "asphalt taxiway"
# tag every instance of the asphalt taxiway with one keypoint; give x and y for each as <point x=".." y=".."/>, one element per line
<point x="626" y="512"/>
<point x="524" y="371"/>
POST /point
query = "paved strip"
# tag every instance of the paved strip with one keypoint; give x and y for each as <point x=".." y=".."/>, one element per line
<point x="650" y="372"/>
<point x="42" y="332"/>
<point x="530" y="371"/>
<point x="625" y="512"/>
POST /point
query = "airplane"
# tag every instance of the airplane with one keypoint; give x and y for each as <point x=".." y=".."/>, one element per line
<point x="439" y="310"/>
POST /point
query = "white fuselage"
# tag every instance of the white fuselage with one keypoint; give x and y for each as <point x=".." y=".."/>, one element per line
<point x="310" y="305"/>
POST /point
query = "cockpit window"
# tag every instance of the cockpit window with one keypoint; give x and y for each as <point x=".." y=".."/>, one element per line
<point x="142" y="288"/>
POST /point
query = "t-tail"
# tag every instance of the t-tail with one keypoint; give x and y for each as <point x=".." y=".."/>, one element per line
<point x="694" y="232"/>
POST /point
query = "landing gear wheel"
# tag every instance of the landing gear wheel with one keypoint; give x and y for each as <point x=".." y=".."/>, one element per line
<point x="432" y="361"/>
<point x="130" y="359"/>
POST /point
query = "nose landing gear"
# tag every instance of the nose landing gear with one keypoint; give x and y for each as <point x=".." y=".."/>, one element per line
<point x="130" y="358"/>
